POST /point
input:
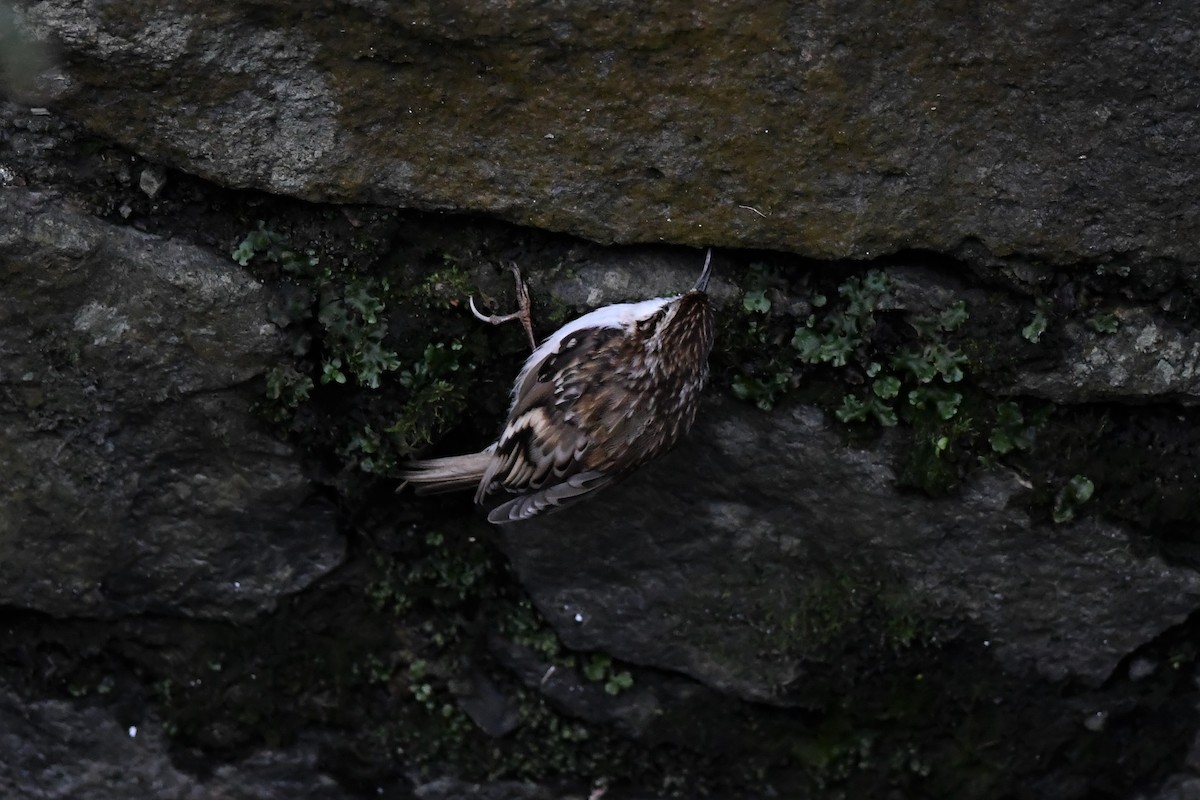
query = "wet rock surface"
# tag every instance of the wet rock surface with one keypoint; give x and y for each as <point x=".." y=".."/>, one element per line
<point x="57" y="748"/>
<point x="1028" y="128"/>
<point x="136" y="476"/>
<point x="785" y="525"/>
<point x="1147" y="357"/>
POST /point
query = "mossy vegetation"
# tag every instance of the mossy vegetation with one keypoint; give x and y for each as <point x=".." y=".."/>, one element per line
<point x="845" y="606"/>
<point x="849" y="347"/>
<point x="876" y="358"/>
<point x="337" y="319"/>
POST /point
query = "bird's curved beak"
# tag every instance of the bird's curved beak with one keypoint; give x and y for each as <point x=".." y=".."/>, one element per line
<point x="702" y="282"/>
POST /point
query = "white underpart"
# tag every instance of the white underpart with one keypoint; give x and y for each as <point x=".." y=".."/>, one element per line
<point x="620" y="315"/>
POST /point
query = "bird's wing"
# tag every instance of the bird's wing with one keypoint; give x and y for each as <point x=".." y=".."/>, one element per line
<point x="550" y="498"/>
<point x="541" y="456"/>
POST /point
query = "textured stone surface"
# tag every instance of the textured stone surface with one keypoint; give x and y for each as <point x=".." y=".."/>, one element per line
<point x="1147" y="357"/>
<point x="453" y="789"/>
<point x="136" y="476"/>
<point x="829" y="128"/>
<point x="65" y="750"/>
<point x="658" y="707"/>
<point x="765" y="549"/>
<point x="55" y="749"/>
<point x="1177" y="787"/>
<point x="728" y="580"/>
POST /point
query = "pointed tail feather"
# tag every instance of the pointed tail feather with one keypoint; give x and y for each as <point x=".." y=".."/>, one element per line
<point x="435" y="475"/>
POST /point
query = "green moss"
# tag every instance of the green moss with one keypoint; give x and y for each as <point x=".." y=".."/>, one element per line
<point x="850" y="352"/>
<point x="1075" y="493"/>
<point x="835" y="610"/>
<point x="839" y="338"/>
<point x="600" y="668"/>
<point x="437" y="395"/>
<point x="350" y="308"/>
<point x="443" y="289"/>
<point x="1039" y="321"/>
<point x="394" y="396"/>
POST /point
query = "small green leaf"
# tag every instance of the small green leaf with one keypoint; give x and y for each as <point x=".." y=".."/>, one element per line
<point x="1034" y="330"/>
<point x="1081" y="489"/>
<point x="243" y="254"/>
<point x="1009" y="414"/>
<point x="1075" y="493"/>
<point x="926" y="327"/>
<point x="953" y="317"/>
<point x="944" y="402"/>
<point x="836" y="350"/>
<point x="914" y="363"/>
<point x="1062" y="513"/>
<point x="596" y="667"/>
<point x="1011" y="432"/>
<point x="877" y="283"/>
<point x="359" y="297"/>
<point x="887" y="387"/>
<point x="845" y="325"/>
<point x="808" y="345"/>
<point x="743" y="389"/>
<point x="851" y="410"/>
<point x="288" y="385"/>
<point x="946" y="362"/>
<point x="1037" y="326"/>
<point x="947" y="406"/>
<point x="763" y="393"/>
<point x="884" y="414"/>
<point x="332" y="371"/>
<point x="618" y="683"/>
<point x="756" y="301"/>
<point x="255" y="242"/>
<point x="1104" y="322"/>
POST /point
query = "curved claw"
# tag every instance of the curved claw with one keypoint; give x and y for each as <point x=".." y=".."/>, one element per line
<point x="521" y="314"/>
<point x="478" y="315"/>
<point x="494" y="319"/>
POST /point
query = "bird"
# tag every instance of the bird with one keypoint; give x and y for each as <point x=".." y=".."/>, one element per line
<point x="599" y="397"/>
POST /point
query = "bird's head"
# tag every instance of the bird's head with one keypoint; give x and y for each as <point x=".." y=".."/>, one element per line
<point x="683" y="325"/>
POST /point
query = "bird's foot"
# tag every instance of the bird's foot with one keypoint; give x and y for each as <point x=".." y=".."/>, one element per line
<point x="522" y="312"/>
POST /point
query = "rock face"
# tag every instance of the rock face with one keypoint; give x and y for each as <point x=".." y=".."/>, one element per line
<point x="58" y="749"/>
<point x="741" y="571"/>
<point x="787" y="536"/>
<point x="55" y="748"/>
<point x="1146" y="358"/>
<point x="830" y="129"/>
<point x="136" y="476"/>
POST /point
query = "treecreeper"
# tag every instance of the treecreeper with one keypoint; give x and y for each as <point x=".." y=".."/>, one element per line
<point x="601" y="396"/>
